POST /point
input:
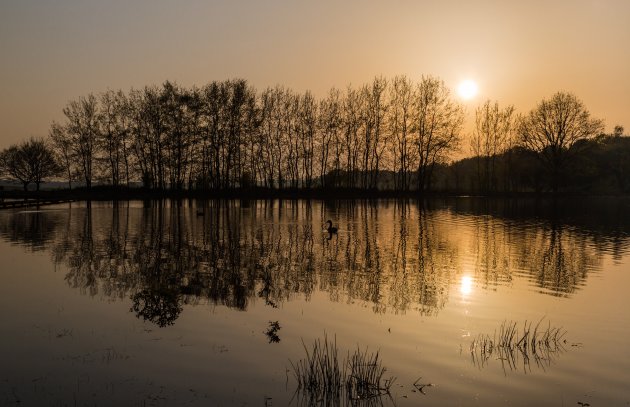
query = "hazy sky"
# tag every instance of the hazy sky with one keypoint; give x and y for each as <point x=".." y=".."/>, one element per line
<point x="519" y="52"/>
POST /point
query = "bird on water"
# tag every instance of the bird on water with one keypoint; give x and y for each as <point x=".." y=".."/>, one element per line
<point x="330" y="228"/>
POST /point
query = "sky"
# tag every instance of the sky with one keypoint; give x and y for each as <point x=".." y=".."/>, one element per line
<point x="518" y="52"/>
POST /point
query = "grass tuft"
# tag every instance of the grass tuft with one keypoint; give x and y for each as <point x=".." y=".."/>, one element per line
<point x="511" y="344"/>
<point x="322" y="376"/>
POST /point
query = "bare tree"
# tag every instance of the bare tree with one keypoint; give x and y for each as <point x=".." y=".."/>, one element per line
<point x="176" y="141"/>
<point x="83" y="130"/>
<point x="352" y="112"/>
<point x="329" y="126"/>
<point x="437" y="123"/>
<point x="31" y="161"/>
<point x="62" y="144"/>
<point x="491" y="137"/>
<point x="275" y="126"/>
<point x="374" y="125"/>
<point x="42" y="161"/>
<point x="554" y="129"/>
<point x="14" y="162"/>
<point x="139" y="140"/>
<point x="110" y="140"/>
<point x="252" y="143"/>
<point x="307" y="128"/>
<point x="400" y="124"/>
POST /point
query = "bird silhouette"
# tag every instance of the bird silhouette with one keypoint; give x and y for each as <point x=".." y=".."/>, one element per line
<point x="330" y="228"/>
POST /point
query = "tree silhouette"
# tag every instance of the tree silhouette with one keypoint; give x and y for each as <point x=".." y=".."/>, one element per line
<point x="31" y="161"/>
<point x="389" y="134"/>
<point x="13" y="161"/>
<point x="491" y="137"/>
<point x="80" y="135"/>
<point x="438" y="121"/>
<point x="554" y="129"/>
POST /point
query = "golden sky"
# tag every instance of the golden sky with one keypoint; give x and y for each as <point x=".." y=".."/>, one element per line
<point x="518" y="52"/>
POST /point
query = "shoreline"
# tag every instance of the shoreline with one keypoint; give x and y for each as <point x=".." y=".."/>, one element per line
<point x="105" y="193"/>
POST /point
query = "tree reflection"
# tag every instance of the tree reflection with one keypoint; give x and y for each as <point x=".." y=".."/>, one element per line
<point x="161" y="307"/>
<point x="31" y="228"/>
<point x="392" y="256"/>
<point x="84" y="268"/>
<point x="557" y="259"/>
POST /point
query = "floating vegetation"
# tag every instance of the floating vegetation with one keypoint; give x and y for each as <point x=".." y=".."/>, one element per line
<point x="512" y="346"/>
<point x="272" y="332"/>
<point x="322" y="377"/>
<point x="64" y="332"/>
<point x="421" y="386"/>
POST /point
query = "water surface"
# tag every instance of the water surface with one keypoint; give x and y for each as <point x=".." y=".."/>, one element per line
<point x="208" y="302"/>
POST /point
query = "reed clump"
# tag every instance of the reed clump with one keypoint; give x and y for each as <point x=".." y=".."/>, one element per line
<point x="323" y="376"/>
<point x="511" y="344"/>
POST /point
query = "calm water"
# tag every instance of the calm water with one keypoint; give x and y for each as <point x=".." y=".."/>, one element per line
<point x="208" y="303"/>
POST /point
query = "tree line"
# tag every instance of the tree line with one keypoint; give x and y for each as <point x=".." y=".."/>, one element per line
<point x="227" y="135"/>
<point x="395" y="134"/>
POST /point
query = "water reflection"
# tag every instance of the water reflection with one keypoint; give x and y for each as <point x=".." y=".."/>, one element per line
<point x="392" y="255"/>
<point x="466" y="285"/>
<point x="31" y="228"/>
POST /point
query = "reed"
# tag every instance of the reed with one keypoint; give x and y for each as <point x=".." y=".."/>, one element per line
<point x="321" y="375"/>
<point x="319" y="372"/>
<point x="365" y="376"/>
<point x="538" y="342"/>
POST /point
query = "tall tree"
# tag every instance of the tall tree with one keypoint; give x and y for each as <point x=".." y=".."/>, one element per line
<point x="83" y="130"/>
<point x="329" y="147"/>
<point x="252" y="142"/>
<point x="62" y="144"/>
<point x="176" y="145"/>
<point x="491" y="137"/>
<point x="437" y="123"/>
<point x="553" y="131"/>
<point x="110" y="138"/>
<point x="376" y="106"/>
<point x="351" y="120"/>
<point x="307" y="128"/>
<point x="400" y="124"/>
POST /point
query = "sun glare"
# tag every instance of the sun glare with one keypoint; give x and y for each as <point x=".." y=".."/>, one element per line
<point x="466" y="285"/>
<point x="467" y="89"/>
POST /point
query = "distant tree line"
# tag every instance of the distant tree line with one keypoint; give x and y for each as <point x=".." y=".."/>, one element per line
<point x="599" y="165"/>
<point x="394" y="134"/>
<point x="556" y="146"/>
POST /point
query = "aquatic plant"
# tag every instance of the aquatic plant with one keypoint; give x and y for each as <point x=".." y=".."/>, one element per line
<point x="272" y="332"/>
<point x="510" y="344"/>
<point x="322" y="376"/>
<point x="365" y="376"/>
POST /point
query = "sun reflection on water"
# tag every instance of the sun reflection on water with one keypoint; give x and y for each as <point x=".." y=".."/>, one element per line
<point x="465" y="285"/>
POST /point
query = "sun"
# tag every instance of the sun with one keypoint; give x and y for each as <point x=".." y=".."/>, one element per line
<point x="467" y="89"/>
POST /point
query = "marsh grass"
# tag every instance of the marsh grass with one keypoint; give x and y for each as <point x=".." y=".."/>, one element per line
<point x="511" y="345"/>
<point x="323" y="377"/>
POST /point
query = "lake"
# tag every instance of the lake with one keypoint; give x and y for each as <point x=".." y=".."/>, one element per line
<point x="215" y="303"/>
